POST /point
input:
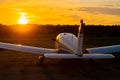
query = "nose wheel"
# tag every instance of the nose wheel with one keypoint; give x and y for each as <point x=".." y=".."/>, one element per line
<point x="41" y="59"/>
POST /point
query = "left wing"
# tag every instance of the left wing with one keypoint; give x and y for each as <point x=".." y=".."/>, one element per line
<point x="29" y="49"/>
<point x="106" y="49"/>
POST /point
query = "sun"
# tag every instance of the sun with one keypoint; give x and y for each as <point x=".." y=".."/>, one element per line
<point x="23" y="19"/>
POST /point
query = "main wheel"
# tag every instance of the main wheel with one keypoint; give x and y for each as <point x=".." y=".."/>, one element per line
<point x="41" y="59"/>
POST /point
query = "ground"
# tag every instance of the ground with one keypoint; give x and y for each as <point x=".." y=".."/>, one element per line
<point x="25" y="66"/>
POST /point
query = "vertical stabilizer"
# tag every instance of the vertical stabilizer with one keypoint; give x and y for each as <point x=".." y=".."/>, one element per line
<point x="80" y="39"/>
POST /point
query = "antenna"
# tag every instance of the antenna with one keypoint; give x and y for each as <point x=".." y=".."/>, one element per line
<point x="80" y="38"/>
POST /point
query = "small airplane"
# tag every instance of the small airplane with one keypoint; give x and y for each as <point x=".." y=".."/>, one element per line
<point x="68" y="46"/>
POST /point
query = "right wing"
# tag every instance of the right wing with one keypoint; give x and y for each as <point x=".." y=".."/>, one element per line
<point x="29" y="49"/>
<point x="106" y="49"/>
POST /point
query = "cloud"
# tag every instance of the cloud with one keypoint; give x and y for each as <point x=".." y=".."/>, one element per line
<point x="112" y="5"/>
<point x="18" y="2"/>
<point x="100" y="10"/>
<point x="2" y="1"/>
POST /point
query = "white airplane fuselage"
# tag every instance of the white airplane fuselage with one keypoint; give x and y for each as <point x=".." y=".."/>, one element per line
<point x="66" y="42"/>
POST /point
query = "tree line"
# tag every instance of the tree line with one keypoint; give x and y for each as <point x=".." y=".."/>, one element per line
<point x="89" y="30"/>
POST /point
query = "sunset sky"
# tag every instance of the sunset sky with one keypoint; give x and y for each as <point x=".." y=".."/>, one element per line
<point x="60" y="11"/>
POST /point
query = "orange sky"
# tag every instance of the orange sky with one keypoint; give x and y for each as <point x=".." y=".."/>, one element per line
<point x="60" y="11"/>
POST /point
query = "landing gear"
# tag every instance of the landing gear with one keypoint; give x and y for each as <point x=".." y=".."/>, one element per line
<point x="41" y="59"/>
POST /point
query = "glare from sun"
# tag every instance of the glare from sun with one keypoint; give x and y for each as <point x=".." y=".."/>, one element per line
<point x="23" y="19"/>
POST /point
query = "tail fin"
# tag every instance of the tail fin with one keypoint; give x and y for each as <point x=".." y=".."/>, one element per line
<point x="80" y="39"/>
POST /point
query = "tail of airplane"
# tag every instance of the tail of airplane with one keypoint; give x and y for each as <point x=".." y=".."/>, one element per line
<point x="80" y="39"/>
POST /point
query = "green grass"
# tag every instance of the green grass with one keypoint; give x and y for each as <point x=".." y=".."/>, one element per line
<point x="101" y="41"/>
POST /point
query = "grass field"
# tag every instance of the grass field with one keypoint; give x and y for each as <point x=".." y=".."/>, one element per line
<point x="24" y="66"/>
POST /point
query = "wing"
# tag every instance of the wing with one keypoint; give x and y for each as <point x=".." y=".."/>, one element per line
<point x="106" y="49"/>
<point x="29" y="49"/>
<point x="73" y="56"/>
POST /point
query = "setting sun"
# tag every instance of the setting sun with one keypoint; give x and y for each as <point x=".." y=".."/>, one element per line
<point x="23" y="19"/>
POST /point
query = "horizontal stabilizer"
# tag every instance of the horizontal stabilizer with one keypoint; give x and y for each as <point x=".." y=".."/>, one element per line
<point x="85" y="56"/>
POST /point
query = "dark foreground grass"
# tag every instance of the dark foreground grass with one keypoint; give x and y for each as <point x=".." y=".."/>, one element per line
<point x="24" y="66"/>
